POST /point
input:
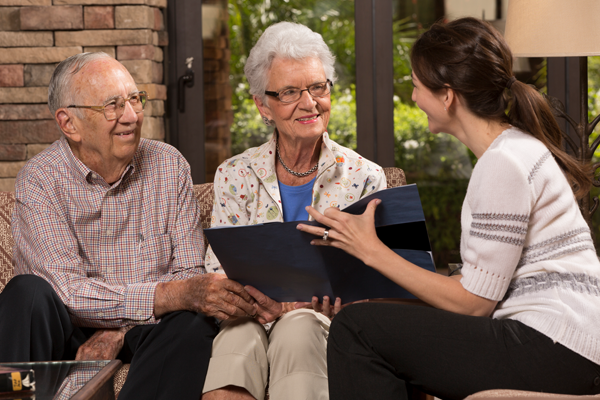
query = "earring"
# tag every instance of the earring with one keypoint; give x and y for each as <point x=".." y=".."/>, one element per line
<point x="266" y="121"/>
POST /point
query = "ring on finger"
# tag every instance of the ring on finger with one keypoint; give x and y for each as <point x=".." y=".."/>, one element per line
<point x="325" y="234"/>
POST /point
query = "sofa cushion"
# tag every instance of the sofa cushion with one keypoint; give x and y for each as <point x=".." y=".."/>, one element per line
<point x="394" y="176"/>
<point x="7" y="203"/>
<point x="205" y="196"/>
<point x="506" y="394"/>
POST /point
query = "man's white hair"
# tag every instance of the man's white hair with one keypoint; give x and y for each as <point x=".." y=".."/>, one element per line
<point x="60" y="90"/>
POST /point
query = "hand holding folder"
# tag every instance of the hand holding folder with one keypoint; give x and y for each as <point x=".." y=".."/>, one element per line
<point x="279" y="260"/>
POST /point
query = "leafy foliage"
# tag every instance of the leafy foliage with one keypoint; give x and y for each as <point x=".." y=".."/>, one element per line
<point x="593" y="111"/>
<point x="334" y="20"/>
<point x="441" y="166"/>
<point x="424" y="155"/>
<point x="405" y="32"/>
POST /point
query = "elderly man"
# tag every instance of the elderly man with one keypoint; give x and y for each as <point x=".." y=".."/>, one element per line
<point x="108" y="244"/>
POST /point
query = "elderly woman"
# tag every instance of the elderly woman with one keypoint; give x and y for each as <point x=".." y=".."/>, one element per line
<point x="290" y="71"/>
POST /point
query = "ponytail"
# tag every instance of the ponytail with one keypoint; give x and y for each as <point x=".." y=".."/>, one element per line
<point x="471" y="57"/>
<point x="531" y="113"/>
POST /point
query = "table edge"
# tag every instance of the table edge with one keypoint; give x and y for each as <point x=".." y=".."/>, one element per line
<point x="94" y="384"/>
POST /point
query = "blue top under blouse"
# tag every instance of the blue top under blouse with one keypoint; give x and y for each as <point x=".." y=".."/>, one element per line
<point x="294" y="199"/>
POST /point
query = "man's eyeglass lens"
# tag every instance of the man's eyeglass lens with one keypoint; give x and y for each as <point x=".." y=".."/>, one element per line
<point x="115" y="109"/>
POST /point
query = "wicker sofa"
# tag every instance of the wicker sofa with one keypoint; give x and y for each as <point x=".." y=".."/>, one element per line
<point x="204" y="194"/>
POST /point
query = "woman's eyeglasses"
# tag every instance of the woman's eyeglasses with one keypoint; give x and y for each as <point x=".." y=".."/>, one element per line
<point x="291" y="95"/>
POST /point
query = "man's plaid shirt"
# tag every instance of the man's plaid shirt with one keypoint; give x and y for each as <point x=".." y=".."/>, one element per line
<point x="104" y="248"/>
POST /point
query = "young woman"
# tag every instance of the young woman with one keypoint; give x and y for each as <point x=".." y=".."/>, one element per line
<point x="525" y="314"/>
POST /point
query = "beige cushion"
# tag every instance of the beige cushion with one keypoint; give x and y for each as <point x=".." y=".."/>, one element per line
<point x="394" y="176"/>
<point x="499" y="394"/>
<point x="7" y="203"/>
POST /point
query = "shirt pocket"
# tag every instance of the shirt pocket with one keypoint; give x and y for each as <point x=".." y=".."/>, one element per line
<point x="155" y="254"/>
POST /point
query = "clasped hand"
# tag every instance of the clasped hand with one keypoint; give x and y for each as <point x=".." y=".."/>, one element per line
<point x="216" y="296"/>
<point x="104" y="344"/>
<point x="268" y="310"/>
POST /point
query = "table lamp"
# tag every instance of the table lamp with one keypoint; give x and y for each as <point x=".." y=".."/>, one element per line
<point x="560" y="28"/>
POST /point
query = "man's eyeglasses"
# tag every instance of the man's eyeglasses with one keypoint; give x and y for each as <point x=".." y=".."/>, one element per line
<point x="114" y="108"/>
<point x="291" y="95"/>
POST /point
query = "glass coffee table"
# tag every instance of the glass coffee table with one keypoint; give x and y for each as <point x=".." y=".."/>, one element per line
<point x="76" y="380"/>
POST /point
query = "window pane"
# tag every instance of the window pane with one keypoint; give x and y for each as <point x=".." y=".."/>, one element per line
<point x="594" y="110"/>
<point x="439" y="164"/>
<point x="218" y="113"/>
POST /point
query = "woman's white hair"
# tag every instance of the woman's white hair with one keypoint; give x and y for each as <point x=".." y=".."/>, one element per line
<point x="285" y="40"/>
<point x="60" y="90"/>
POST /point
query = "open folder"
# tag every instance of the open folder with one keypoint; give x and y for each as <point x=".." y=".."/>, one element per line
<point x="279" y="260"/>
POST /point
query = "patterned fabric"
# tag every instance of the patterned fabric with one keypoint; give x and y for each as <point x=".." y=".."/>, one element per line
<point x="247" y="190"/>
<point x="7" y="202"/>
<point x="104" y="248"/>
<point x="580" y="283"/>
<point x="516" y="394"/>
<point x="537" y="166"/>
<point x="120" y="377"/>
<point x="568" y="242"/>
<point x="526" y="245"/>
<point x="394" y="176"/>
<point x="204" y="193"/>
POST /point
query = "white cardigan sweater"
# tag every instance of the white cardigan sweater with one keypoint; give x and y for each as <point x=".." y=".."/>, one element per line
<point x="525" y="243"/>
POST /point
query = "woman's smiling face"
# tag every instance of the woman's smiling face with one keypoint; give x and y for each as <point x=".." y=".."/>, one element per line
<point x="308" y="116"/>
<point x="431" y="104"/>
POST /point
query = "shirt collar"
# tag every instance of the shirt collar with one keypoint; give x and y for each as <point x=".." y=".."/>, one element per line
<point x="84" y="173"/>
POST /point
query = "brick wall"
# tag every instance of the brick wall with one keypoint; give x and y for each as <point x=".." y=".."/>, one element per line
<point x="35" y="35"/>
<point x="217" y="90"/>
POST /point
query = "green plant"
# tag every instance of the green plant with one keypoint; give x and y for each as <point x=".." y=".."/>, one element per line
<point x="593" y="111"/>
<point x="440" y="165"/>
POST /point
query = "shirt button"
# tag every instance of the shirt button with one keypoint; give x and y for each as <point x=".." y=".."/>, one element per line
<point x="109" y="270"/>
<point x="100" y="314"/>
<point x="139" y="313"/>
<point x="94" y="176"/>
<point x="108" y="232"/>
<point x="597" y="381"/>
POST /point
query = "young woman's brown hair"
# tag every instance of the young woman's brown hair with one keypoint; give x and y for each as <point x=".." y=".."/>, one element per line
<point x="471" y="57"/>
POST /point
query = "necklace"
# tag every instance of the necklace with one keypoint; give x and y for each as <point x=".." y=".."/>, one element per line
<point x="300" y="174"/>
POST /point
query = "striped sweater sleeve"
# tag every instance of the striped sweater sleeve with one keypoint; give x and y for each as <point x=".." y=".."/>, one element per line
<point x="495" y="220"/>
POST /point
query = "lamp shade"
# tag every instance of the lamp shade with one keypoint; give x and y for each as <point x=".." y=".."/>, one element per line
<point x="553" y="28"/>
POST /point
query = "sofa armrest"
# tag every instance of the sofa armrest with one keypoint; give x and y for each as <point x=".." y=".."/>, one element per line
<point x="7" y="205"/>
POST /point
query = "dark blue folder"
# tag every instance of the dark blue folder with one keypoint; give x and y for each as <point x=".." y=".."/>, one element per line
<point x="279" y="260"/>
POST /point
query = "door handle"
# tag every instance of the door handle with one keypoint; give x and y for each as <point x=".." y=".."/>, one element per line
<point x="186" y="80"/>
